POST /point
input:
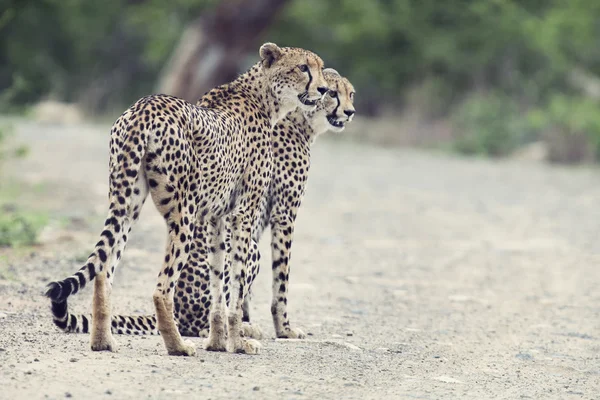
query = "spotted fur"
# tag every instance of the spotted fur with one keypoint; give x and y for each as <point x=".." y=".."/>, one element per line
<point x="291" y="140"/>
<point x="200" y="164"/>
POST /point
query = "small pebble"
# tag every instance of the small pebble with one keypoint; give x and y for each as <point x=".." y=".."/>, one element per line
<point x="108" y="392"/>
<point x="349" y="333"/>
<point x="256" y="388"/>
<point x="68" y="395"/>
<point x="73" y="359"/>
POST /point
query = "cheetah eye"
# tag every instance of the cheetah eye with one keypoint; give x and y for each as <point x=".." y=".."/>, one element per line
<point x="333" y="94"/>
<point x="303" y="67"/>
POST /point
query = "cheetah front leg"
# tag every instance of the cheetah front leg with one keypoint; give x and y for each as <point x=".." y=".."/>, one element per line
<point x="241" y="247"/>
<point x="282" y="234"/>
<point x="251" y="330"/>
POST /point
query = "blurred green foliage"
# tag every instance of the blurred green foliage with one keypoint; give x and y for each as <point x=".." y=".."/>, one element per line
<point x="66" y="47"/>
<point x="487" y="63"/>
<point x="20" y="229"/>
<point x="17" y="228"/>
<point x="6" y="131"/>
<point x="490" y="125"/>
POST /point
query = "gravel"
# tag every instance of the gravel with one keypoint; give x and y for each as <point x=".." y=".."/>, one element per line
<point x="417" y="276"/>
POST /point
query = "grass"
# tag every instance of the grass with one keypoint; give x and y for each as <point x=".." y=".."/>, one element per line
<point x="19" y="228"/>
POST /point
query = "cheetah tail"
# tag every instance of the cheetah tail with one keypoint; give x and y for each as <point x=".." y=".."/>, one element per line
<point x="59" y="291"/>
<point x="125" y="169"/>
<point x="67" y="322"/>
<point x="130" y="325"/>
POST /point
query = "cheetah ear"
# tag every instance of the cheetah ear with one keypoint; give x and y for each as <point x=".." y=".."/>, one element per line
<point x="331" y="71"/>
<point x="269" y="53"/>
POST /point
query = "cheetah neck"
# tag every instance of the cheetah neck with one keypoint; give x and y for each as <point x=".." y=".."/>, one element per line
<point x="255" y="82"/>
<point x="301" y="120"/>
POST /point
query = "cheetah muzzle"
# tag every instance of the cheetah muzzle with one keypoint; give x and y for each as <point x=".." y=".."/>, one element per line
<point x="303" y="97"/>
<point x="333" y="120"/>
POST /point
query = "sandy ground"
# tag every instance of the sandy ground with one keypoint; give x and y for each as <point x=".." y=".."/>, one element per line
<point x="417" y="276"/>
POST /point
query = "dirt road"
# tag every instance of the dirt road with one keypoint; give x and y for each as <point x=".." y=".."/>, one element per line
<point x="415" y="275"/>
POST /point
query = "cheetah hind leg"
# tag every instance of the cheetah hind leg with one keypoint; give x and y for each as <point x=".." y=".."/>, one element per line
<point x="101" y="338"/>
<point x="177" y="251"/>
<point x="217" y="241"/>
<point x="240" y="245"/>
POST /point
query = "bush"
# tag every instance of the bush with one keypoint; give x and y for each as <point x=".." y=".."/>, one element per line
<point x="490" y="124"/>
<point x="571" y="127"/>
<point x="20" y="229"/>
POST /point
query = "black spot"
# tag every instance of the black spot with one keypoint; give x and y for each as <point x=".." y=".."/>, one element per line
<point x="277" y="263"/>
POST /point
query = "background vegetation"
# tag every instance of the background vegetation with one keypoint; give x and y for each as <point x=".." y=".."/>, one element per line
<point x="502" y="73"/>
<point x="17" y="227"/>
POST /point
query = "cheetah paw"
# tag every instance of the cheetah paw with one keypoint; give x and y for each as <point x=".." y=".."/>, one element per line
<point x="212" y="344"/>
<point x="291" y="333"/>
<point x="251" y="331"/>
<point x="103" y="343"/>
<point x="187" y="348"/>
<point x="246" y="346"/>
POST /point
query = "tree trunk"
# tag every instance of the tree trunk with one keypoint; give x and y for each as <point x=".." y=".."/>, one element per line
<point x="213" y="47"/>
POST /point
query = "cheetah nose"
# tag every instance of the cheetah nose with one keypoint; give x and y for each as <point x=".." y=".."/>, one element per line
<point x="322" y="90"/>
<point x="349" y="113"/>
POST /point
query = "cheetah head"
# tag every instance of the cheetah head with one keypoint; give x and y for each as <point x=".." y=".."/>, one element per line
<point x="337" y="107"/>
<point x="295" y="75"/>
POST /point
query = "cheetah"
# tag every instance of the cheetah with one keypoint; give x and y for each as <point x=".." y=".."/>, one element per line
<point x="200" y="163"/>
<point x="291" y="141"/>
